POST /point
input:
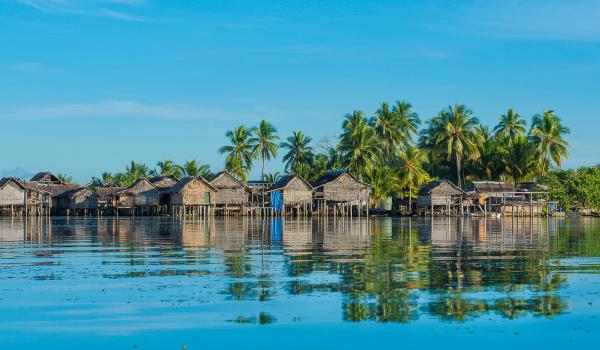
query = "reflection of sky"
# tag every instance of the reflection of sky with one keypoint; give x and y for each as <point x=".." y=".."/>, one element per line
<point x="189" y="282"/>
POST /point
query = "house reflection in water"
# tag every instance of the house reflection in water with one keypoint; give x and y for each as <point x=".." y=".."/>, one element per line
<point x="382" y="269"/>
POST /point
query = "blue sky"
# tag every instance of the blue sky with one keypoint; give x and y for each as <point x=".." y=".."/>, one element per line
<point x="87" y="86"/>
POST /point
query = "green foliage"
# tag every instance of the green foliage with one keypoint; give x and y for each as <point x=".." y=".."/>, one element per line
<point x="65" y="178"/>
<point x="575" y="189"/>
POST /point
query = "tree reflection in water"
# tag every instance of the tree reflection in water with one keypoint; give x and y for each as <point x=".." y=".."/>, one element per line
<point x="381" y="269"/>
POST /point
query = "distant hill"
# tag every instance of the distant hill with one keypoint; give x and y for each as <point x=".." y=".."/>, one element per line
<point x="17" y="172"/>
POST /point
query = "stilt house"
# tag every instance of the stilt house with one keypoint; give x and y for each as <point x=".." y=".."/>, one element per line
<point x="232" y="192"/>
<point x="192" y="195"/>
<point x="141" y="197"/>
<point x="291" y="192"/>
<point x="442" y="195"/>
<point x="81" y="200"/>
<point x="340" y="189"/>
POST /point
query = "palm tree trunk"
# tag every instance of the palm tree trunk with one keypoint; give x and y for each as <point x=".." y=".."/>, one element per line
<point x="458" y="172"/>
<point x="409" y="199"/>
<point x="262" y="170"/>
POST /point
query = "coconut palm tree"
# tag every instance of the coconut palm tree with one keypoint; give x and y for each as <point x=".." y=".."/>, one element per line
<point x="193" y="168"/>
<point x="410" y="169"/>
<point x="239" y="151"/>
<point x="510" y="126"/>
<point x="547" y="136"/>
<point x="385" y="182"/>
<point x="237" y="168"/>
<point x="458" y="138"/>
<point x="265" y="143"/>
<point x="104" y="179"/>
<point x="489" y="165"/>
<point x="65" y="178"/>
<point x="168" y="167"/>
<point x="359" y="144"/>
<point x="134" y="171"/>
<point x="386" y="126"/>
<point x="520" y="160"/>
<point x="407" y="119"/>
<point x="272" y="177"/>
<point x="299" y="151"/>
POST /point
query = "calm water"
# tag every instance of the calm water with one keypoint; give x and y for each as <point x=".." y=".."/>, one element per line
<point x="86" y="283"/>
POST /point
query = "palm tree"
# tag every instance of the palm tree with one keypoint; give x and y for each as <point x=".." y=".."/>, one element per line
<point x="510" y="127"/>
<point x="265" y="143"/>
<point x="239" y="152"/>
<point x="407" y="119"/>
<point x="299" y="151"/>
<point x="192" y="168"/>
<point x="458" y="138"/>
<point x="237" y="168"/>
<point x="384" y="180"/>
<point x="65" y="178"/>
<point x="272" y="177"/>
<point x="134" y="171"/>
<point x="410" y="166"/>
<point x="386" y="125"/>
<point x="168" y="167"/>
<point x="520" y="160"/>
<point x="547" y="136"/>
<point x="359" y="144"/>
<point x="490" y="162"/>
<point x="104" y="179"/>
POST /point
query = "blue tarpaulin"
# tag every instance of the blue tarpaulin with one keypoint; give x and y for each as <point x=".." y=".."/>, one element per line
<point x="277" y="201"/>
<point x="276" y="230"/>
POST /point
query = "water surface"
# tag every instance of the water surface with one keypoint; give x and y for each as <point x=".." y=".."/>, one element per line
<point x="160" y="283"/>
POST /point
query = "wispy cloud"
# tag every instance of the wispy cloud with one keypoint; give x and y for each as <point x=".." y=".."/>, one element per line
<point x="119" y="109"/>
<point x="117" y="9"/>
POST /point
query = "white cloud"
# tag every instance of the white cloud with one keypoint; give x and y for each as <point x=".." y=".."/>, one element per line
<point x="100" y="8"/>
<point x="119" y="109"/>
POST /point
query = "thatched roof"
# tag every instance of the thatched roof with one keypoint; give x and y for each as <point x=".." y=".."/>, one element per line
<point x="332" y="175"/>
<point x="182" y="184"/>
<point x="51" y="188"/>
<point x="163" y="181"/>
<point x="225" y="173"/>
<point x="140" y="185"/>
<point x="5" y="180"/>
<point x="47" y="177"/>
<point x="493" y="186"/>
<point x="286" y="179"/>
<point x="74" y="192"/>
<point x="440" y="187"/>
<point x="105" y="192"/>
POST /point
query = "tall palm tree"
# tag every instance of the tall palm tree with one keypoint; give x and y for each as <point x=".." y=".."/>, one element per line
<point x="239" y="152"/>
<point x="407" y="119"/>
<point x="237" y="168"/>
<point x="489" y="165"/>
<point x="386" y="125"/>
<point x="410" y="166"/>
<point x="384" y="180"/>
<point x="510" y="126"/>
<point x="458" y="139"/>
<point x="520" y="160"/>
<point x="168" y="167"/>
<point x="299" y="151"/>
<point x="193" y="168"/>
<point x="134" y="171"/>
<point x="547" y="136"/>
<point x="359" y="144"/>
<point x="265" y="143"/>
